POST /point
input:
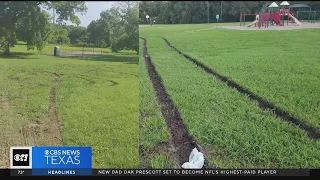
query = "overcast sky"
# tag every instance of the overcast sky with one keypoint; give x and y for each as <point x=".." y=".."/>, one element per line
<point x="93" y="11"/>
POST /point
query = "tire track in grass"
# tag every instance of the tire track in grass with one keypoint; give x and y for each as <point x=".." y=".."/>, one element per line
<point x="182" y="141"/>
<point x="53" y="128"/>
<point x="155" y="149"/>
<point x="263" y="104"/>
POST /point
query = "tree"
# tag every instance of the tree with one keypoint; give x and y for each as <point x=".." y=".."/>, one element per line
<point x="105" y="31"/>
<point x="98" y="30"/>
<point x="131" y="26"/>
<point x="117" y="27"/>
<point x="124" y="26"/>
<point x="28" y="15"/>
<point x="190" y="12"/>
<point x="95" y="31"/>
<point x="58" y="34"/>
<point x="76" y="33"/>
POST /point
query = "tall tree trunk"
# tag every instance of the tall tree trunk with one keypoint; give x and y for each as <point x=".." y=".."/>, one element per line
<point x="7" y="49"/>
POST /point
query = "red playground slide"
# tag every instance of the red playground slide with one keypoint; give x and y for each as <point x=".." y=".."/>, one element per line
<point x="276" y="18"/>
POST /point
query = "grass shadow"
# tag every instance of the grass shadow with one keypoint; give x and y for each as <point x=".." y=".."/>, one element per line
<point x="19" y="55"/>
<point x="108" y="58"/>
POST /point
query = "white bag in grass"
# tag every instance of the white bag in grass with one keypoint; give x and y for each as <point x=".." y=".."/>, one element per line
<point x="196" y="160"/>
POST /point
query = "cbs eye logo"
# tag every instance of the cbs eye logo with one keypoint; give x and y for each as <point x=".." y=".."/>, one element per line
<point x="20" y="157"/>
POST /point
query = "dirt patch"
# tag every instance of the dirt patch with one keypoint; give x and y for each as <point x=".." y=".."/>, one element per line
<point x="18" y="130"/>
<point x="52" y="128"/>
<point x="182" y="142"/>
<point x="263" y="103"/>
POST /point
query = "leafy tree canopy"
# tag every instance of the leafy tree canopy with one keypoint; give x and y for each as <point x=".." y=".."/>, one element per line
<point x="26" y="20"/>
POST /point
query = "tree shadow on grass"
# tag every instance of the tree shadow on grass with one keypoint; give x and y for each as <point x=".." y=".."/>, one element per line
<point x="107" y="58"/>
<point x="19" y="55"/>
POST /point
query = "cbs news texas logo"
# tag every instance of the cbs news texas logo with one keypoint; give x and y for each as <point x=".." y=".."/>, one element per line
<point x="50" y="157"/>
<point x="57" y="157"/>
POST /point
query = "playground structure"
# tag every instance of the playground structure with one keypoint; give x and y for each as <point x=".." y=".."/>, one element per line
<point x="271" y="15"/>
<point x="243" y="19"/>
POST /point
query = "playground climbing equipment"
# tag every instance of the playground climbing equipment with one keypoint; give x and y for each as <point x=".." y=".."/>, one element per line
<point x="272" y="14"/>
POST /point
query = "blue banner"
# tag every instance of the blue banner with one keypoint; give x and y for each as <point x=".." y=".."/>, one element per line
<point x="62" y="172"/>
<point x="61" y="160"/>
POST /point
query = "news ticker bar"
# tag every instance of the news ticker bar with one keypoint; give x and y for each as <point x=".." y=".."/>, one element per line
<point x="160" y="172"/>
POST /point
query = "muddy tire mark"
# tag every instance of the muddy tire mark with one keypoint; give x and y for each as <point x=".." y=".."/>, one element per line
<point x="182" y="142"/>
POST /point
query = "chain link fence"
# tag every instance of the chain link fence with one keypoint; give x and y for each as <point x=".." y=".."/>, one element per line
<point x="77" y="50"/>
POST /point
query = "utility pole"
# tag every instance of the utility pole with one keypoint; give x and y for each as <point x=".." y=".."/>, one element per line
<point x="208" y="11"/>
<point x="221" y="10"/>
<point x="53" y="16"/>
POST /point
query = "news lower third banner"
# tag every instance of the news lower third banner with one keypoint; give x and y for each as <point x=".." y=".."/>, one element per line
<point x="176" y="172"/>
<point x="77" y="161"/>
<point x="51" y="160"/>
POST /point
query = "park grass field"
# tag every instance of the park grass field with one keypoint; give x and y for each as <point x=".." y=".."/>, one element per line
<point x="91" y="101"/>
<point x="280" y="66"/>
<point x="154" y="134"/>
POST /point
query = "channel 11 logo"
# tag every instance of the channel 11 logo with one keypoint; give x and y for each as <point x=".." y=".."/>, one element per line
<point x="20" y="157"/>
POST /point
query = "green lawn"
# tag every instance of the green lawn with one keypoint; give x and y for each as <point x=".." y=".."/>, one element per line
<point x="153" y="130"/>
<point x="234" y="130"/>
<point x="95" y="100"/>
<point x="281" y="66"/>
